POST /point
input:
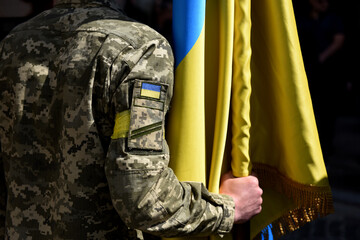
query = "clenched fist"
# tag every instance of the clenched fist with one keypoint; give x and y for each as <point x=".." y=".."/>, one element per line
<point x="246" y="194"/>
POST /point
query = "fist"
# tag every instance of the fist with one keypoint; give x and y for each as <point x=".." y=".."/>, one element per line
<point x="246" y="194"/>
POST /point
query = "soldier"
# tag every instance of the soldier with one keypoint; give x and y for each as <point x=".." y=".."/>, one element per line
<point x="83" y="95"/>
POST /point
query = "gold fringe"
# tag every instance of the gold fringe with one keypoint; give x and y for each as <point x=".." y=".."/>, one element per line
<point x="311" y="202"/>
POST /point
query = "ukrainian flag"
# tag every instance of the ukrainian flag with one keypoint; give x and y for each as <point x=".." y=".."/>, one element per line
<point x="186" y="135"/>
<point x="150" y="90"/>
<point x="198" y="121"/>
<point x="246" y="54"/>
<point x="201" y="103"/>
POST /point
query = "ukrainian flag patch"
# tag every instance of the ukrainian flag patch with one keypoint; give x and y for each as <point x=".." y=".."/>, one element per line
<point x="150" y="90"/>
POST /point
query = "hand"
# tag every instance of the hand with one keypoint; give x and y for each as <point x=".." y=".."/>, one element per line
<point x="246" y="194"/>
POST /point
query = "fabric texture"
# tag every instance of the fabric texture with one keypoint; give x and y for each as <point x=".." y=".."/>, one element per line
<point x="72" y="170"/>
<point x="270" y="128"/>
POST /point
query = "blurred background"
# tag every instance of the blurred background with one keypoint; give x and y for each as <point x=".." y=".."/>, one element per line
<point x="330" y="43"/>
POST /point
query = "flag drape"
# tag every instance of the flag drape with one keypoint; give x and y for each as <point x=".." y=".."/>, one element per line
<point x="241" y="101"/>
<point x="187" y="134"/>
<point x="284" y="144"/>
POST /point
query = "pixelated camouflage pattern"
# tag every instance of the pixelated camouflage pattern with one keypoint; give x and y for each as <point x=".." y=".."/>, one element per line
<point x="63" y="77"/>
<point x="147" y="120"/>
<point x="111" y="3"/>
<point x="3" y="194"/>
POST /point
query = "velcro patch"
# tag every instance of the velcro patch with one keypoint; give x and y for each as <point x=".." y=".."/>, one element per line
<point x="150" y="90"/>
<point x="147" y="115"/>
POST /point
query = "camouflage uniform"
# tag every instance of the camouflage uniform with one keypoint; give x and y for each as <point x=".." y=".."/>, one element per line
<point x="83" y="95"/>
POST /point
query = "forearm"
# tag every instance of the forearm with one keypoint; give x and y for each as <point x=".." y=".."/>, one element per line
<point x="149" y="197"/>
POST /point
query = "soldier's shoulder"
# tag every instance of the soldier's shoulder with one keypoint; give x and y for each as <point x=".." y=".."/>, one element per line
<point x="133" y="32"/>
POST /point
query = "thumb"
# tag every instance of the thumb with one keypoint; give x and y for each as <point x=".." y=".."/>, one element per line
<point x="227" y="176"/>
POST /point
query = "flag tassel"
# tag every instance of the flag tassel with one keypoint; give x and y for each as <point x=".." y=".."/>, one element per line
<point x="311" y="202"/>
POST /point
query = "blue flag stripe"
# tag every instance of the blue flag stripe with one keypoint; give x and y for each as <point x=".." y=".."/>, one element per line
<point x="188" y="22"/>
<point x="151" y="87"/>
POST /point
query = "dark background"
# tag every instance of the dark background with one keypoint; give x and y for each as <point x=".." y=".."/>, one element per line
<point x="342" y="162"/>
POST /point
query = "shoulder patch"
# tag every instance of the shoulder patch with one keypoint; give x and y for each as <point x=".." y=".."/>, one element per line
<point x="147" y="116"/>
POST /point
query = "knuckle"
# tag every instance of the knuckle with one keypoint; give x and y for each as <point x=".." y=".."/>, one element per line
<point x="253" y="180"/>
<point x="261" y="192"/>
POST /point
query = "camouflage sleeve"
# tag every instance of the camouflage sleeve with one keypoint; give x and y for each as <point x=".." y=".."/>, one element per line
<point x="145" y="191"/>
<point x="2" y="199"/>
<point x="3" y="192"/>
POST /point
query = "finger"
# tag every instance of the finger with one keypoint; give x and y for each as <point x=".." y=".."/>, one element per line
<point x="227" y="175"/>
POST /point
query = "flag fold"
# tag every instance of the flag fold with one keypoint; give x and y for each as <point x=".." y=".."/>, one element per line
<point x="241" y="102"/>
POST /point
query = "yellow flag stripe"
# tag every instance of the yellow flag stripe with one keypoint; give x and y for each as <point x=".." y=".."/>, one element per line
<point x="150" y="93"/>
<point x="186" y="134"/>
<point x="241" y="90"/>
<point x="224" y="91"/>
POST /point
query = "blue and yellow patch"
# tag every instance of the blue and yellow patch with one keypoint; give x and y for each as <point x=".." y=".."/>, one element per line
<point x="150" y="90"/>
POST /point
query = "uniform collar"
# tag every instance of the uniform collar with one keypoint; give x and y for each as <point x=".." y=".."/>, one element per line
<point x="110" y="3"/>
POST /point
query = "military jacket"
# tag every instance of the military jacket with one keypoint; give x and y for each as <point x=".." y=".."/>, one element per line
<point x="83" y="95"/>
